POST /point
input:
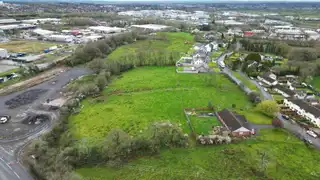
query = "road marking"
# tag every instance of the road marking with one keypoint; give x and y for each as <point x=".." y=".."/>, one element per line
<point x="6" y="163"/>
<point x="16" y="174"/>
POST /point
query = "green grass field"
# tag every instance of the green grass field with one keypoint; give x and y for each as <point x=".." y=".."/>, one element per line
<point x="316" y="82"/>
<point x="148" y="94"/>
<point x="175" y="43"/>
<point x="26" y="46"/>
<point x="202" y="125"/>
<point x="286" y="157"/>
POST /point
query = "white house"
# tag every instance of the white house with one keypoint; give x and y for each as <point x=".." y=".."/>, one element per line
<point x="304" y="109"/>
<point x="268" y="78"/>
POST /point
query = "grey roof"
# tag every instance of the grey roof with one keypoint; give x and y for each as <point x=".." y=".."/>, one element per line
<point x="233" y="121"/>
<point x="285" y="90"/>
<point x="266" y="76"/>
<point x="307" y="107"/>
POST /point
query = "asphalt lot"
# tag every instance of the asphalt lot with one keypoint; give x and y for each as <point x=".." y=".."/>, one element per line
<point x="17" y="132"/>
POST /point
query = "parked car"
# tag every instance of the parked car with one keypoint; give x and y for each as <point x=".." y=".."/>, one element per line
<point x="4" y="119"/>
<point x="286" y="117"/>
<point x="265" y="89"/>
<point x="260" y="83"/>
<point x="307" y="141"/>
<point x="311" y="133"/>
<point x="11" y="76"/>
<point x="251" y="78"/>
<point x="1" y="80"/>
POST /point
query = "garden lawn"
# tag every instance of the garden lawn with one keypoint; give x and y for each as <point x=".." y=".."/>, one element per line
<point x="255" y="116"/>
<point x="286" y="157"/>
<point x="148" y="94"/>
<point x="176" y="42"/>
<point x="316" y="82"/>
<point x="26" y="46"/>
<point x="202" y="125"/>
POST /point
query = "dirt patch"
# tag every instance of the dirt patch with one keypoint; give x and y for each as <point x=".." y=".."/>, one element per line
<point x="35" y="119"/>
<point x="25" y="98"/>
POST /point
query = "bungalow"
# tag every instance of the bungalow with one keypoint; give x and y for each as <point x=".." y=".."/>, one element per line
<point x="312" y="113"/>
<point x="285" y="92"/>
<point x="268" y="78"/>
<point x="238" y="125"/>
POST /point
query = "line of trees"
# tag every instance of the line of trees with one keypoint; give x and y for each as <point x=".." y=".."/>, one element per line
<point x="278" y="48"/>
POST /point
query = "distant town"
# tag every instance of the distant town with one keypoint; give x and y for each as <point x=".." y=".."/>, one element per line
<point x="159" y="90"/>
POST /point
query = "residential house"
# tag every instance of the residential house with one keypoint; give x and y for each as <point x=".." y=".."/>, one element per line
<point x="268" y="78"/>
<point x="237" y="124"/>
<point x="285" y="92"/>
<point x="304" y="109"/>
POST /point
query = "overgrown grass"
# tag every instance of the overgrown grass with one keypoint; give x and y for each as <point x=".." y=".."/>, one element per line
<point x="286" y="157"/>
<point x="148" y="94"/>
<point x="175" y="42"/>
<point x="26" y="46"/>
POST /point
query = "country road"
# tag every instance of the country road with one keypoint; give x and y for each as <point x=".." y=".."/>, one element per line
<point x="10" y="148"/>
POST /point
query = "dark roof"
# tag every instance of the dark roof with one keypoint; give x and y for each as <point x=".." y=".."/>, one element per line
<point x="267" y="77"/>
<point x="233" y="121"/>
<point x="285" y="90"/>
<point x="307" y="107"/>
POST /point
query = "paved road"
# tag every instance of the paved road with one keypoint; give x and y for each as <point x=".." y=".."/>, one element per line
<point x="10" y="168"/>
<point x="228" y="72"/>
<point x="265" y="94"/>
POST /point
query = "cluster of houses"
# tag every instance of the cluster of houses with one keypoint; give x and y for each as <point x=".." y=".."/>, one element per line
<point x="302" y="103"/>
<point x="198" y="61"/>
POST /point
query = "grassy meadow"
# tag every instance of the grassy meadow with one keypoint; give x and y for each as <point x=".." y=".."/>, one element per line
<point x="177" y="43"/>
<point x="148" y="94"/>
<point x="282" y="155"/>
<point x="26" y="46"/>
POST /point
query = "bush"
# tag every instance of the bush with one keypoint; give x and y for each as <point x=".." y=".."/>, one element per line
<point x="268" y="107"/>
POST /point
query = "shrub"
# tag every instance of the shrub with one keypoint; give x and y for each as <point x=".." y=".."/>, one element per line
<point x="268" y="107"/>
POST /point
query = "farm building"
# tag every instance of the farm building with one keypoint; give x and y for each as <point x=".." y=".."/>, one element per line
<point x="60" y="38"/>
<point x="105" y="29"/>
<point x="237" y="124"/>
